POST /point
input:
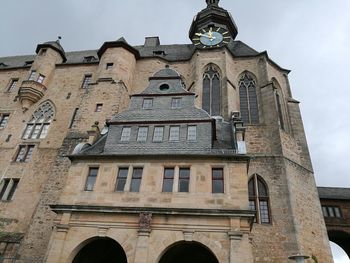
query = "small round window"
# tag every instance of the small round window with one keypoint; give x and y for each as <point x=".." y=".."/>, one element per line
<point x="164" y="87"/>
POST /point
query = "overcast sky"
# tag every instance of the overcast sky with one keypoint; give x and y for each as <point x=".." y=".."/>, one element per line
<point x="312" y="38"/>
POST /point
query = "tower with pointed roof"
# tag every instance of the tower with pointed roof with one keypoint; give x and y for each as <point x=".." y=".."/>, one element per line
<point x="155" y="154"/>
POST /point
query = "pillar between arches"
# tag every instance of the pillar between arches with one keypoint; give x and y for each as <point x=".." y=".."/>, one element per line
<point x="240" y="247"/>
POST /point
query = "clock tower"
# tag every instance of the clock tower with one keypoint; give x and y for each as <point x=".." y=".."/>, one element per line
<point x="213" y="27"/>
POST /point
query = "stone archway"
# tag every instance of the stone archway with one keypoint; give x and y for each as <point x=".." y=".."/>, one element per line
<point x="188" y="252"/>
<point x="101" y="250"/>
<point x="341" y="238"/>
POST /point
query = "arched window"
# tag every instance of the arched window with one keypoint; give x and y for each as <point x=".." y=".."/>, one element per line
<point x="211" y="98"/>
<point x="248" y="99"/>
<point x="279" y="106"/>
<point x="259" y="199"/>
<point x="39" y="124"/>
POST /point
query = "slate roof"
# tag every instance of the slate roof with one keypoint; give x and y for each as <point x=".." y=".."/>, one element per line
<point x="167" y="52"/>
<point x="334" y="193"/>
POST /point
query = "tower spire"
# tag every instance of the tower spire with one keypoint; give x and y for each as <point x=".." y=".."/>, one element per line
<point x="212" y="2"/>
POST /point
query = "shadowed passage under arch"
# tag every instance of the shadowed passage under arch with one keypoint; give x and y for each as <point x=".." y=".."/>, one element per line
<point x="188" y="252"/>
<point x="102" y="250"/>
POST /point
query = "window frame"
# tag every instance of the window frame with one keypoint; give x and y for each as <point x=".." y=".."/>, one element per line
<point x="121" y="180"/>
<point x="142" y="136"/>
<point x="168" y="180"/>
<point x="91" y="175"/>
<point x="186" y="179"/>
<point x="32" y="75"/>
<point x="27" y="154"/>
<point x="156" y="134"/>
<point x="247" y="90"/>
<point x="8" y="189"/>
<point x="98" y="107"/>
<point x="86" y="81"/>
<point x="331" y="211"/>
<point x="176" y="103"/>
<point x="40" y="78"/>
<point x="147" y="103"/>
<point x="173" y="138"/>
<point x="136" y="179"/>
<point x="125" y="136"/>
<point x="4" y="120"/>
<point x="189" y="135"/>
<point x="257" y="198"/>
<point x="214" y="180"/>
<point x="109" y="65"/>
<point x="12" y="84"/>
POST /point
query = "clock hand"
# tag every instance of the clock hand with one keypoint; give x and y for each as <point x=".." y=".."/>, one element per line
<point x="203" y="35"/>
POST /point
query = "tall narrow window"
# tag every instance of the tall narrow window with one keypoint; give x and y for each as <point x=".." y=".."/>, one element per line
<point x="41" y="78"/>
<point x="259" y="199"/>
<point x="126" y="131"/>
<point x="136" y="180"/>
<point x="248" y="99"/>
<point x="142" y="134"/>
<point x="32" y="75"/>
<point x="91" y="179"/>
<point x="184" y="180"/>
<point x="168" y="180"/>
<point x="3" y="120"/>
<point x="98" y="107"/>
<point x="174" y="133"/>
<point x="86" y="81"/>
<point x="8" y="188"/>
<point x="12" y="85"/>
<point x="211" y="98"/>
<point x="217" y="180"/>
<point x="24" y="153"/>
<point x="279" y="110"/>
<point x="158" y="134"/>
<point x="73" y="118"/>
<point x="121" y="179"/>
<point x="38" y="126"/>
<point x="192" y="133"/>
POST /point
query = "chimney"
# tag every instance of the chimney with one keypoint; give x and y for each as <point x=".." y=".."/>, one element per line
<point x="152" y="42"/>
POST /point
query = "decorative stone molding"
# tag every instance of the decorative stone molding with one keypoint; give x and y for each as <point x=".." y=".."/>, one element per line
<point x="188" y="235"/>
<point x="30" y="92"/>
<point x="145" y="221"/>
<point x="235" y="235"/>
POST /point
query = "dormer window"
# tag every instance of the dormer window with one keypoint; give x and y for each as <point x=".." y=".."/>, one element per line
<point x="125" y="134"/>
<point x="89" y="59"/>
<point x="174" y="134"/>
<point x="147" y="103"/>
<point x="28" y="63"/>
<point x="158" y="134"/>
<point x="176" y="103"/>
<point x="192" y="133"/>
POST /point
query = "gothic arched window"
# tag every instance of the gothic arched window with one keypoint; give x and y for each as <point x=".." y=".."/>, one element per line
<point x="259" y="199"/>
<point x="39" y="124"/>
<point x="248" y="99"/>
<point x="211" y="99"/>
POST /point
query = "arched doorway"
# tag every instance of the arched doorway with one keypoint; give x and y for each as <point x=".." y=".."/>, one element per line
<point x="340" y="238"/>
<point x="101" y="250"/>
<point x="188" y="252"/>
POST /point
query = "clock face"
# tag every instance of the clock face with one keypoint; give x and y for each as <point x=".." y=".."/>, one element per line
<point x="211" y="37"/>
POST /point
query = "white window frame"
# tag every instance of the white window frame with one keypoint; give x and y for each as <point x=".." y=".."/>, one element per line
<point x="192" y="133"/>
<point x="125" y="135"/>
<point x="158" y="134"/>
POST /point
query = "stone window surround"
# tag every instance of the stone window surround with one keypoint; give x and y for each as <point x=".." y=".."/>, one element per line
<point x="91" y="174"/>
<point x="176" y="179"/>
<point x="129" y="178"/>
<point x="12" y="84"/>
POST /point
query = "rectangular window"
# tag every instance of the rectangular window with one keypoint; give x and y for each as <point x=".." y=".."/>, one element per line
<point x="147" y="104"/>
<point x="86" y="81"/>
<point x="174" y="133"/>
<point x="4" y="120"/>
<point x="8" y="189"/>
<point x="125" y="134"/>
<point x="24" y="153"/>
<point x="136" y="179"/>
<point x="12" y="85"/>
<point x="98" y="107"/>
<point x="264" y="212"/>
<point x="192" y="133"/>
<point x="109" y="65"/>
<point x="121" y="179"/>
<point x="217" y="180"/>
<point x="142" y="134"/>
<point x="168" y="180"/>
<point x="184" y="180"/>
<point x="158" y="134"/>
<point x="41" y="78"/>
<point x="32" y="75"/>
<point x="91" y="179"/>
<point x="44" y="131"/>
<point x="331" y="211"/>
<point x="175" y="103"/>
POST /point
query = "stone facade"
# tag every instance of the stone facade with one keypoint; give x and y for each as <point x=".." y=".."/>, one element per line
<point x="52" y="213"/>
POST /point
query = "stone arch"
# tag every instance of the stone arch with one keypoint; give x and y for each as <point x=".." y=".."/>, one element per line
<point x="341" y="238"/>
<point x="99" y="250"/>
<point x="187" y="252"/>
<point x="248" y="97"/>
<point x="212" y="100"/>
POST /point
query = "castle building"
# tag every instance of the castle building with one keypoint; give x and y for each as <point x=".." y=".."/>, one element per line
<point x="155" y="154"/>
